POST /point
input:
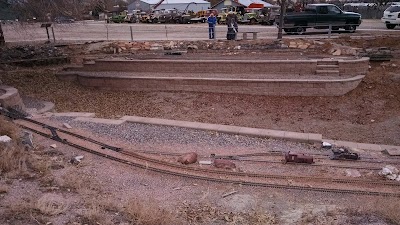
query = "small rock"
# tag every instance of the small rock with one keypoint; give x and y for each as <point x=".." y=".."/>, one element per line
<point x="224" y="164"/>
<point x="76" y="160"/>
<point x="5" y="139"/>
<point x="66" y="125"/>
<point x="302" y="46"/>
<point x="353" y="173"/>
<point x="27" y="139"/>
<point x="337" y="52"/>
<point x="53" y="146"/>
<point x="392" y="176"/>
<point x="205" y="162"/>
<point x="192" y="47"/>
<point x="188" y="158"/>
<point x="326" y="145"/>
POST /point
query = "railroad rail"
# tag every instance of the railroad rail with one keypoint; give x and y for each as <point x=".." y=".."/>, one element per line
<point x="192" y="172"/>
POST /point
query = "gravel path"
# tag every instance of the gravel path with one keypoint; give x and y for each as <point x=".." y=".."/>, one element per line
<point x="181" y="138"/>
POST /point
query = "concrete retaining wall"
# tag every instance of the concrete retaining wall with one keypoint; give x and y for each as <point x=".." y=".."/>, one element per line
<point x="284" y="67"/>
<point x="290" y="77"/>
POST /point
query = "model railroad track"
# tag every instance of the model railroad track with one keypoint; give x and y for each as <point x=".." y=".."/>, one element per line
<point x="235" y="157"/>
<point x="184" y="169"/>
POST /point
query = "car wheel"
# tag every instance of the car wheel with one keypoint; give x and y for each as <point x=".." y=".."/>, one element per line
<point x="253" y="21"/>
<point x="300" y="30"/>
<point x="350" y="28"/>
<point x="288" y="31"/>
<point x="390" y="26"/>
<point x="155" y="20"/>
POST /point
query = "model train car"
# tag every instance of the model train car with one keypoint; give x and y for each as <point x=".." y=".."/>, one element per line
<point x="298" y="158"/>
<point x="343" y="153"/>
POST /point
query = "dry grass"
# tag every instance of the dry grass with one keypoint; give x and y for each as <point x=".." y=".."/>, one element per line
<point x="387" y="208"/>
<point x="77" y="181"/>
<point x="17" y="211"/>
<point x="8" y="128"/>
<point x="149" y="213"/>
<point x="13" y="159"/>
<point x="52" y="204"/>
<point x="96" y="214"/>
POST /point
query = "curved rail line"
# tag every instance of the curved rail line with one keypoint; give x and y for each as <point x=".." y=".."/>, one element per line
<point x="271" y="161"/>
<point x="206" y="178"/>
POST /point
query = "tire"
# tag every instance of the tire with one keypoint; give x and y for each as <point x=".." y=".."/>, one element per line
<point x="253" y="21"/>
<point x="390" y="26"/>
<point x="350" y="28"/>
<point x="300" y="30"/>
<point x="289" y="31"/>
<point x="155" y="20"/>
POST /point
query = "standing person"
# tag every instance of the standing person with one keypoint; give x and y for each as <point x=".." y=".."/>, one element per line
<point x="231" y="22"/>
<point x="212" y="20"/>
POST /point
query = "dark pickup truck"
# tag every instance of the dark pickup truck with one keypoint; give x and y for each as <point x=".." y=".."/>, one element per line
<point x="320" y="16"/>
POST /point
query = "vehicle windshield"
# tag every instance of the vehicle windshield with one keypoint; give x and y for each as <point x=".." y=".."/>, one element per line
<point x="394" y="8"/>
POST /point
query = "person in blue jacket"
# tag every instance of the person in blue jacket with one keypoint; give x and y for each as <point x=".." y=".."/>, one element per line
<point x="212" y="20"/>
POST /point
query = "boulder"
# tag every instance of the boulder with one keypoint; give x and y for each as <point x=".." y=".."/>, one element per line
<point x="5" y="139"/>
<point x="224" y="164"/>
<point x="192" y="47"/>
<point x="188" y="158"/>
<point x="353" y="173"/>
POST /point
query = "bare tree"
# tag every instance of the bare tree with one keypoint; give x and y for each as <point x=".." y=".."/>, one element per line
<point x="283" y="4"/>
<point x="2" y="40"/>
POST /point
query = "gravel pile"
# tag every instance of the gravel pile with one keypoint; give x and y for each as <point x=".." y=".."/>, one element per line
<point x="135" y="133"/>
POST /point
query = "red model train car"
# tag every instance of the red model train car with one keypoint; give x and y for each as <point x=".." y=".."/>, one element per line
<point x="298" y="158"/>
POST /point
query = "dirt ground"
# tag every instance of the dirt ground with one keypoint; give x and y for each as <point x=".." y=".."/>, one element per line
<point x="370" y="113"/>
<point x="42" y="187"/>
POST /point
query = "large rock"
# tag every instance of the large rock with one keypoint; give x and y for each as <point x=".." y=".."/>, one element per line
<point x="390" y="172"/>
<point x="5" y="139"/>
<point x="224" y="164"/>
<point x="188" y="158"/>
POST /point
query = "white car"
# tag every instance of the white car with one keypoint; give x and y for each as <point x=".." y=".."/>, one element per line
<point x="391" y="16"/>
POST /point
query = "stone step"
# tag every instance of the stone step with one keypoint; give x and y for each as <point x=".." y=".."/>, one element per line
<point x="70" y="75"/>
<point x="327" y="62"/>
<point x="327" y="67"/>
<point x="327" y="72"/>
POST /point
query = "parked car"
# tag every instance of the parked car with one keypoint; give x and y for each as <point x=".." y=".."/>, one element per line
<point x="64" y="19"/>
<point x="170" y="16"/>
<point x="320" y="16"/>
<point x="391" y="16"/>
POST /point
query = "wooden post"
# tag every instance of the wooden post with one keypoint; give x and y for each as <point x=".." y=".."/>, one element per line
<point x="2" y="40"/>
<point x="54" y="37"/>
<point x="131" y="33"/>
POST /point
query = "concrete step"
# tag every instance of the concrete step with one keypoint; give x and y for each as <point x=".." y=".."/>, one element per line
<point x="327" y="67"/>
<point x="327" y="62"/>
<point x="327" y="72"/>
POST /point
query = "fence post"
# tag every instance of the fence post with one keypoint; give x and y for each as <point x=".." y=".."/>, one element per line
<point x="54" y="37"/>
<point x="131" y="33"/>
<point x="166" y="32"/>
<point x="330" y="31"/>
<point x="107" y="31"/>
